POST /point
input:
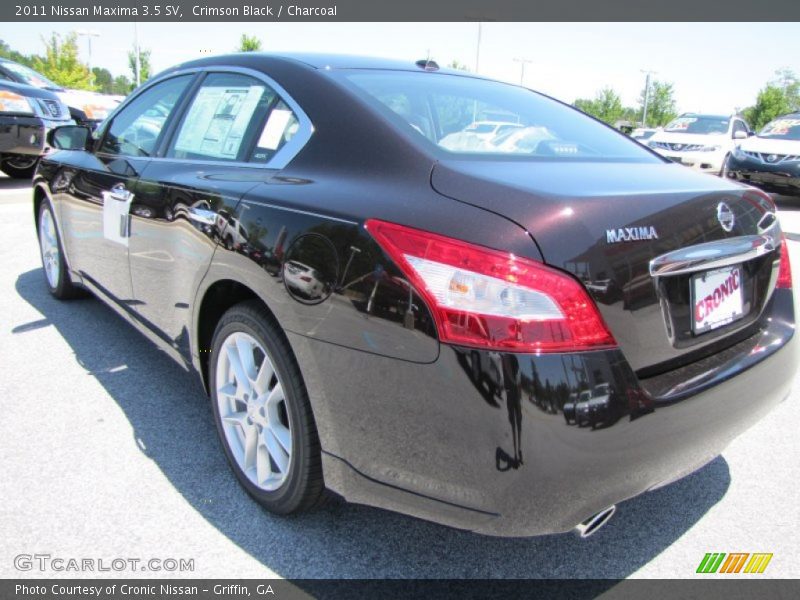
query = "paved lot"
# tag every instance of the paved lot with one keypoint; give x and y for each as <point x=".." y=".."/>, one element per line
<point x="108" y="450"/>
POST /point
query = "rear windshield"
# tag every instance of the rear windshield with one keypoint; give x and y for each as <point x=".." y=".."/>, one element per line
<point x="699" y="124"/>
<point x="784" y="128"/>
<point x="452" y="111"/>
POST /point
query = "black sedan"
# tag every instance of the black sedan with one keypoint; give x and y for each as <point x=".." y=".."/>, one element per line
<point x="386" y="304"/>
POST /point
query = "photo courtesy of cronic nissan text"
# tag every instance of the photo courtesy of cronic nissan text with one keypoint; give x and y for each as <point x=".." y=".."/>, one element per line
<point x="362" y="299"/>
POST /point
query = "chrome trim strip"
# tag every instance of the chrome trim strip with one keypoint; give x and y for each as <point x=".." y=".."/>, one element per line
<point x="714" y="255"/>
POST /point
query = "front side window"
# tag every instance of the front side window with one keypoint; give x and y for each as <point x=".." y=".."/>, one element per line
<point x="739" y="126"/>
<point x="137" y="128"/>
<point x="705" y="125"/>
<point x="467" y="116"/>
<point x="782" y="128"/>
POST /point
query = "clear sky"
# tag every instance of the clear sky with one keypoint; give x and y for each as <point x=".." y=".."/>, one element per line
<point x="715" y="67"/>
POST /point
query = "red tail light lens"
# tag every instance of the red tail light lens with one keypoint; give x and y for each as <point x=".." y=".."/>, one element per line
<point x="785" y="270"/>
<point x="491" y="299"/>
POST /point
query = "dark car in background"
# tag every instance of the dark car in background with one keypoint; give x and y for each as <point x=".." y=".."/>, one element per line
<point x="86" y="108"/>
<point x="27" y="115"/>
<point x="770" y="160"/>
<point x="444" y="344"/>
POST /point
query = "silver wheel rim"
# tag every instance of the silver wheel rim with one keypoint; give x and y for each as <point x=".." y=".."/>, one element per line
<point x="253" y="410"/>
<point x="48" y="242"/>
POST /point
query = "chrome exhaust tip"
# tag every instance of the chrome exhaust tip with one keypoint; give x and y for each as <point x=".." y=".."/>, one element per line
<point x="595" y="522"/>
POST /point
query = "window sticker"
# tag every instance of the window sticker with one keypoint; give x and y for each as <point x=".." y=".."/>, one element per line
<point x="274" y="129"/>
<point x="216" y="123"/>
<point x="780" y="126"/>
<point x="681" y="123"/>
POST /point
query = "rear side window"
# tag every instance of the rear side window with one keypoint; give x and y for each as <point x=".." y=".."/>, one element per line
<point x="233" y="117"/>
<point x="137" y="128"/>
<point x="469" y="116"/>
<point x="279" y="128"/>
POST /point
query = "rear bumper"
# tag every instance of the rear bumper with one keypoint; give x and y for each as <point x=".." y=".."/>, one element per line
<point x="493" y="443"/>
<point x="25" y="135"/>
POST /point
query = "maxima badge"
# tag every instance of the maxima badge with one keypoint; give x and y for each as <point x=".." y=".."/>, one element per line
<point x="631" y="234"/>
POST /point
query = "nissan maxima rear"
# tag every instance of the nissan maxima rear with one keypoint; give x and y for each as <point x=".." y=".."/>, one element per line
<point x="508" y="333"/>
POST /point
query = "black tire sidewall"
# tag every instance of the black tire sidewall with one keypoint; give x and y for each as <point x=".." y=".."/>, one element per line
<point x="723" y="172"/>
<point x="16" y="173"/>
<point x="63" y="288"/>
<point x="290" y="495"/>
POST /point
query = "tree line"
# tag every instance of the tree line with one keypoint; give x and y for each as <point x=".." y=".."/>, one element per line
<point x="779" y="96"/>
<point x="61" y="64"/>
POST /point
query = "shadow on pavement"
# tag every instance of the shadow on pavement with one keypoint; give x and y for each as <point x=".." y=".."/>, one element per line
<point x="172" y="420"/>
<point x="21" y="185"/>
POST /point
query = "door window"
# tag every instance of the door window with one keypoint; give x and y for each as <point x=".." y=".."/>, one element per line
<point x="739" y="126"/>
<point x="223" y="119"/>
<point x="137" y="128"/>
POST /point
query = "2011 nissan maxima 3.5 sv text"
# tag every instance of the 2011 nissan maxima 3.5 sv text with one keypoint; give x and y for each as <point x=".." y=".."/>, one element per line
<point x="424" y="290"/>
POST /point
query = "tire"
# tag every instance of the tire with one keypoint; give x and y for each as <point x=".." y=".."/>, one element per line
<point x="282" y="472"/>
<point x="19" y="167"/>
<point x="56" y="274"/>
<point x="723" y="171"/>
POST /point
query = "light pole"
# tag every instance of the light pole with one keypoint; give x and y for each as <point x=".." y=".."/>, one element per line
<point x="522" y="62"/>
<point x="89" y="34"/>
<point x="138" y="63"/>
<point x="478" y="49"/>
<point x="646" y="94"/>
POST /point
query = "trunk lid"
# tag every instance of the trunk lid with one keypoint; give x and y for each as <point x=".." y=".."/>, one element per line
<point x="605" y="222"/>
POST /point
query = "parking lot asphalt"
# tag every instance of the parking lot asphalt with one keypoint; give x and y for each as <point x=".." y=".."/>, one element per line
<point x="108" y="450"/>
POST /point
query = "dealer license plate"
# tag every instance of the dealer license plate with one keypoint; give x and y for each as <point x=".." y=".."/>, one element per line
<point x="716" y="298"/>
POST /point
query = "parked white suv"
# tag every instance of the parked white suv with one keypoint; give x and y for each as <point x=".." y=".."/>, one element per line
<point x="702" y="142"/>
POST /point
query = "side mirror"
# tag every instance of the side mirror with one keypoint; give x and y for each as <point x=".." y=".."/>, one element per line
<point x="740" y="135"/>
<point x="69" y="137"/>
<point x="751" y="133"/>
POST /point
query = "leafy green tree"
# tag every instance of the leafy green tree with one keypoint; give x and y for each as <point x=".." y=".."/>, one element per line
<point x="121" y="86"/>
<point x="778" y="97"/>
<point x="103" y="80"/>
<point x="606" y="106"/>
<point x="144" y="64"/>
<point x="249" y="43"/>
<point x="61" y="63"/>
<point x="7" y="52"/>
<point x="661" y="108"/>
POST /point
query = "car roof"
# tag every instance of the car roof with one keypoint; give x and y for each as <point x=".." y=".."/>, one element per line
<point x="320" y="61"/>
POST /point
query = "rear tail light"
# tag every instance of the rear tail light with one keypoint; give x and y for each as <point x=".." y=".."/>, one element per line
<point x="785" y="270"/>
<point x="490" y="299"/>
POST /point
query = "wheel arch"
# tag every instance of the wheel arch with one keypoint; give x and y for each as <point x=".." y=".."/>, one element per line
<point x="212" y="302"/>
<point x="40" y="193"/>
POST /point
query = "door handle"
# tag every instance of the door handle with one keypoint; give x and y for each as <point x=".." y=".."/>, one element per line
<point x="202" y="216"/>
<point x="120" y="193"/>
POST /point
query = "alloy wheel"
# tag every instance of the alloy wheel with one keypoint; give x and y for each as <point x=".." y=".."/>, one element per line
<point x="48" y="242"/>
<point x="252" y="407"/>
